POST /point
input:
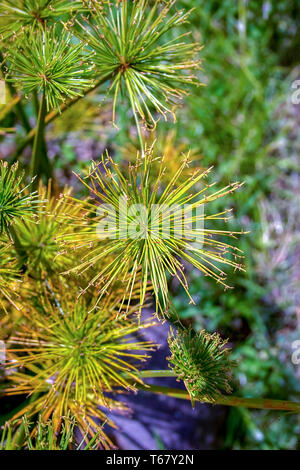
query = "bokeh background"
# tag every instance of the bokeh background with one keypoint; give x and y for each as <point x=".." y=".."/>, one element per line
<point x="244" y="123"/>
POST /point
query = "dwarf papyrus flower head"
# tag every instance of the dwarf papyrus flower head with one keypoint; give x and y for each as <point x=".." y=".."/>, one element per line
<point x="38" y="238"/>
<point x="147" y="227"/>
<point x="202" y="361"/>
<point x="69" y="357"/>
<point x="22" y="15"/>
<point x="52" y="62"/>
<point x="16" y="202"/>
<point x="136" y="42"/>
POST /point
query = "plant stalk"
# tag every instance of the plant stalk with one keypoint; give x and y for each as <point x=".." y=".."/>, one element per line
<point x="141" y="140"/>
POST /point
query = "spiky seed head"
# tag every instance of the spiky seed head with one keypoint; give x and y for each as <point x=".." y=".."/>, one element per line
<point x="16" y="202"/>
<point x="202" y="361"/>
<point x="49" y="61"/>
<point x="69" y="357"/>
<point x="137" y="44"/>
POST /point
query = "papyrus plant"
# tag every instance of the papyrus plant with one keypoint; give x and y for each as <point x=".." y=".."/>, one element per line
<point x="144" y="233"/>
<point x="70" y="349"/>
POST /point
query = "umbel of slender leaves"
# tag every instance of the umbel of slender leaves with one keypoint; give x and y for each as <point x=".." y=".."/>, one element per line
<point x="133" y="41"/>
<point x="22" y="15"/>
<point x="38" y="239"/>
<point x="167" y="145"/>
<point x="49" y="61"/>
<point x="202" y="361"/>
<point x="68" y="358"/>
<point x="147" y="246"/>
<point x="16" y="202"/>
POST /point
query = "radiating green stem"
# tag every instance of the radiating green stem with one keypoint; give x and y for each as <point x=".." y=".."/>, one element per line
<point x="19" y="107"/>
<point x="257" y="403"/>
<point x="141" y="140"/>
<point x="38" y="144"/>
